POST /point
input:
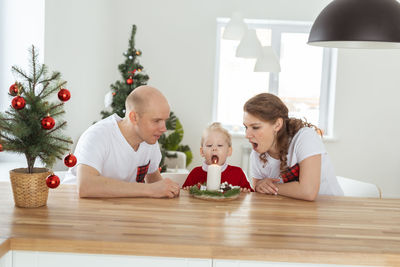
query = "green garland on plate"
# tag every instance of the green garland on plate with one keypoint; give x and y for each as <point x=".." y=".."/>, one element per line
<point x="194" y="190"/>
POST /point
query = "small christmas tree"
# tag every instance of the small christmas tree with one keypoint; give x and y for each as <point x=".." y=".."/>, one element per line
<point x="133" y="76"/>
<point x="32" y="124"/>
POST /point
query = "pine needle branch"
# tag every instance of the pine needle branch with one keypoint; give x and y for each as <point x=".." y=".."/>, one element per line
<point x="57" y="87"/>
<point x="53" y="76"/>
<point x="58" y="127"/>
<point x="44" y="88"/>
<point x="62" y="139"/>
<point x="58" y="113"/>
<point x="54" y="107"/>
<point x="21" y="72"/>
<point x="6" y="137"/>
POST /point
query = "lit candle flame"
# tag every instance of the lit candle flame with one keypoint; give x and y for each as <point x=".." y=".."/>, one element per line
<point x="214" y="159"/>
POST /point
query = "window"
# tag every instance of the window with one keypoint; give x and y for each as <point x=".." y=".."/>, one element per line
<point x="305" y="82"/>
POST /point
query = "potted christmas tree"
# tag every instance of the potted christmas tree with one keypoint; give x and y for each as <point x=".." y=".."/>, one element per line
<point x="31" y="126"/>
<point x="134" y="76"/>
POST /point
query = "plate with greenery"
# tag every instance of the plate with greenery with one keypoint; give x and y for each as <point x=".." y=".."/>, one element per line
<point x="226" y="192"/>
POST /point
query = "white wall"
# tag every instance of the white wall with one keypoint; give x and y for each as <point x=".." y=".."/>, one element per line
<point x="85" y="40"/>
<point x="21" y="26"/>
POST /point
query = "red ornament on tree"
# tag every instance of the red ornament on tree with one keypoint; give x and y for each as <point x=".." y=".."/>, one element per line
<point x="129" y="80"/>
<point x="64" y="95"/>
<point x="70" y="160"/>
<point x="14" y="89"/>
<point x="52" y="181"/>
<point x="18" y="102"/>
<point x="1" y="148"/>
<point x="48" y="123"/>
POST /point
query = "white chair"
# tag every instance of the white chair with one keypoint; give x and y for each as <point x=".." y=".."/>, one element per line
<point x="176" y="163"/>
<point x="179" y="177"/>
<point x="354" y="188"/>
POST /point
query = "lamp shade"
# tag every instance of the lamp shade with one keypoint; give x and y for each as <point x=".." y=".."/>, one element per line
<point x="357" y="24"/>
<point x="235" y="28"/>
<point x="249" y="46"/>
<point x="268" y="61"/>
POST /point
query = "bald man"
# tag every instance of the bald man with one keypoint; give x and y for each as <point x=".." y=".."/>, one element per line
<point x="119" y="157"/>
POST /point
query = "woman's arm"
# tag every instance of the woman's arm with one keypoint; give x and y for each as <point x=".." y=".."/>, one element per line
<point x="307" y="187"/>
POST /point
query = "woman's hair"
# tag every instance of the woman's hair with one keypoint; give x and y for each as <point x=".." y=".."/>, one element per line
<point x="269" y="108"/>
<point x="216" y="127"/>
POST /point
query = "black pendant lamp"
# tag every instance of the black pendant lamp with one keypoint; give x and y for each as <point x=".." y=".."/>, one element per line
<point x="358" y="24"/>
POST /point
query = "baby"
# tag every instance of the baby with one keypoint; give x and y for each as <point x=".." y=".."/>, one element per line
<point x="216" y="141"/>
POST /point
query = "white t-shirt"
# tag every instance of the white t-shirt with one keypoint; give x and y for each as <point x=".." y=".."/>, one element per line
<point x="103" y="147"/>
<point x="305" y="143"/>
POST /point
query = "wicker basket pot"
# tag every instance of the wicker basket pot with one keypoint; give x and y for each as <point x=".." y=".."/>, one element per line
<point x="29" y="189"/>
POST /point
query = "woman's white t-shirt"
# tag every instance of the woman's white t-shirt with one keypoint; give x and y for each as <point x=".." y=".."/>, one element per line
<point x="305" y="143"/>
<point x="103" y="147"/>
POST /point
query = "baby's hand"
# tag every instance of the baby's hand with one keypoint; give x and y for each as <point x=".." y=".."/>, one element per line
<point x="246" y="190"/>
<point x="186" y="188"/>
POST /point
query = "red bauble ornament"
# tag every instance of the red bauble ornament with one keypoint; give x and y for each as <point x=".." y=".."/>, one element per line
<point x="52" y="181"/>
<point x="18" y="102"/>
<point x="48" y="123"/>
<point x="14" y="89"/>
<point x="129" y="80"/>
<point x="64" y="95"/>
<point x="70" y="160"/>
<point x="1" y="148"/>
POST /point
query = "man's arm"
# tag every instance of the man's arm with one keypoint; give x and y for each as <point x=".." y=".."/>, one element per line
<point x="153" y="177"/>
<point x="92" y="184"/>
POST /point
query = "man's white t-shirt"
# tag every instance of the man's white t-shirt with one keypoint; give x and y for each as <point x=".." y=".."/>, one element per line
<point x="305" y="143"/>
<point x="103" y="147"/>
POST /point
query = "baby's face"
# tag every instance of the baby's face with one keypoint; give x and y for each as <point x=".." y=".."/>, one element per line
<point x="215" y="144"/>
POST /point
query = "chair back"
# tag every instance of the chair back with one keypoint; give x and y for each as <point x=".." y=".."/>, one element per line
<point x="355" y="188"/>
<point x="178" y="162"/>
<point x="179" y="178"/>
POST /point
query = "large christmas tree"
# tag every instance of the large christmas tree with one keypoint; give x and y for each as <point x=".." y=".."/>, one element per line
<point x="133" y="76"/>
<point x="32" y="125"/>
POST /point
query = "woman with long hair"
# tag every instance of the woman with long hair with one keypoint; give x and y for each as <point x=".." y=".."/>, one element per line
<point x="288" y="156"/>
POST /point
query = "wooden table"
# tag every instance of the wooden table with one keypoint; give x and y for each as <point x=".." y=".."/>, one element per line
<point x="253" y="227"/>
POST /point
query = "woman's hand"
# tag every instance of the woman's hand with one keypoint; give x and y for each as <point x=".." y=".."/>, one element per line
<point x="267" y="186"/>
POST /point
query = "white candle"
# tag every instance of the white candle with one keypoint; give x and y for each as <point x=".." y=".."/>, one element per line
<point x="213" y="177"/>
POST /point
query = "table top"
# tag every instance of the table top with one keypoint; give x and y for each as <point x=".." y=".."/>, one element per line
<point x="339" y="230"/>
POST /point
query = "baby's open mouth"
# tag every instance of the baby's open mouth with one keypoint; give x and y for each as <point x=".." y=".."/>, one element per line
<point x="214" y="159"/>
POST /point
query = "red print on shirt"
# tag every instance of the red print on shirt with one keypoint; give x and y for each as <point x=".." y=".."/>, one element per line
<point x="141" y="172"/>
<point x="291" y="174"/>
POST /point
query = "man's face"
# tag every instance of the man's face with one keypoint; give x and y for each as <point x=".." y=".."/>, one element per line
<point x="151" y="123"/>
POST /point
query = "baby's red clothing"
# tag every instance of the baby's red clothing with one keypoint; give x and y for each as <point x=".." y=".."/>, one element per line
<point x="233" y="175"/>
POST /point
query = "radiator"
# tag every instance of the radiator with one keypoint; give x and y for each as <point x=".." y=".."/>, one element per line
<point x="245" y="160"/>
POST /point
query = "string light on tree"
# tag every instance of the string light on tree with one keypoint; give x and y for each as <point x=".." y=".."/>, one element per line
<point x="1" y="148"/>
<point x="52" y="181"/>
<point x="64" y="95"/>
<point x="48" y="123"/>
<point x="18" y="102"/>
<point x="138" y="53"/>
<point x="70" y="160"/>
<point x="14" y="89"/>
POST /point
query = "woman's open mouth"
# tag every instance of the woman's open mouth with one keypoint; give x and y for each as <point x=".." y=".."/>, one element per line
<point x="255" y="145"/>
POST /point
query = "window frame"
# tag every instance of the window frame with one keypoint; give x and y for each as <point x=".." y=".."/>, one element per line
<point x="328" y="75"/>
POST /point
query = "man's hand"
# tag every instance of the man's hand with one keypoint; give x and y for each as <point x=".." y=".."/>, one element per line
<point x="164" y="188"/>
<point x="267" y="186"/>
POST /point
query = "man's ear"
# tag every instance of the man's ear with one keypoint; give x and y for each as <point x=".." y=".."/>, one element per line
<point x="133" y="117"/>
<point x="201" y="151"/>
<point x="278" y="124"/>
